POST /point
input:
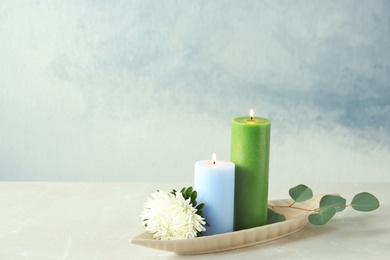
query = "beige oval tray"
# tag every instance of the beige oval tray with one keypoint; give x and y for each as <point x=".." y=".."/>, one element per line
<point x="295" y="221"/>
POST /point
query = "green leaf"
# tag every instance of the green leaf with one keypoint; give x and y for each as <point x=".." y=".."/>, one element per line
<point x="322" y="217"/>
<point x="301" y="193"/>
<point x="200" y="206"/>
<point x="193" y="196"/>
<point x="364" y="202"/>
<point x="188" y="192"/>
<point x="332" y="201"/>
<point x="273" y="217"/>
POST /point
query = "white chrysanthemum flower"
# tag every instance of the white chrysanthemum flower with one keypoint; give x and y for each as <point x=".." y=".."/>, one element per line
<point x="169" y="217"/>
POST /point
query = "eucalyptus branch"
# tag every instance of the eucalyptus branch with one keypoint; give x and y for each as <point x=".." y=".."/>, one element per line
<point x="291" y="207"/>
<point x="329" y="205"/>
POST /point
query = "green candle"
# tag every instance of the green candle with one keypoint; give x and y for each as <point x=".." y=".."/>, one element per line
<point x="250" y="153"/>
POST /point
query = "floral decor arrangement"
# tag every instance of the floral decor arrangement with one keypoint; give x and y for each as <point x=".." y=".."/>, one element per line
<point x="233" y="197"/>
<point x="177" y="215"/>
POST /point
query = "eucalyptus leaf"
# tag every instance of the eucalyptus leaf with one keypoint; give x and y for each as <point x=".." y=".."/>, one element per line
<point x="274" y="217"/>
<point x="333" y="201"/>
<point x="322" y="217"/>
<point x="364" y="202"/>
<point x="301" y="193"/>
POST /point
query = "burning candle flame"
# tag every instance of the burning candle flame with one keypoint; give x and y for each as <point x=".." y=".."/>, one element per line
<point x="214" y="158"/>
<point x="251" y="113"/>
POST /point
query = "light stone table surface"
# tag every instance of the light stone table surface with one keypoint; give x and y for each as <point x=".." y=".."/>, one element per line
<point x="96" y="220"/>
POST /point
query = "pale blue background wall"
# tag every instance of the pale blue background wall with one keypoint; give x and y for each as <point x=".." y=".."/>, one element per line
<point x="140" y="90"/>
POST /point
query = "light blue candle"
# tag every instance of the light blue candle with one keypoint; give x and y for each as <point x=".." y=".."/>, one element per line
<point x="214" y="182"/>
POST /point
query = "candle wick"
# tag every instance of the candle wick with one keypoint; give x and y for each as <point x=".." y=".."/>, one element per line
<point x="251" y="117"/>
<point x="213" y="162"/>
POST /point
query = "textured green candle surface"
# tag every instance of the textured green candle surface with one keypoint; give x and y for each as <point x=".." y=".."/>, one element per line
<point x="250" y="153"/>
